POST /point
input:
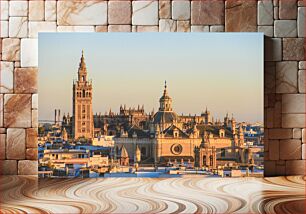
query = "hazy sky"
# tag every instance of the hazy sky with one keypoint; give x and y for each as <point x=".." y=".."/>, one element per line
<point x="223" y="71"/>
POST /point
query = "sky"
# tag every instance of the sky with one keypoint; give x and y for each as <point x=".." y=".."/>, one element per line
<point x="220" y="71"/>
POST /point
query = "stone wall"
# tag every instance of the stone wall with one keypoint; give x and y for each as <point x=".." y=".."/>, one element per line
<point x="282" y="22"/>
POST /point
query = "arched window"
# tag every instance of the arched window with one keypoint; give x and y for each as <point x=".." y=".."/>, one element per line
<point x="211" y="160"/>
<point x="204" y="160"/>
<point x="175" y="134"/>
<point x="83" y="93"/>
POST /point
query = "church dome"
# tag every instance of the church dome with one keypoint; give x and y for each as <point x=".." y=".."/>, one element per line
<point x="165" y="117"/>
<point x="165" y="113"/>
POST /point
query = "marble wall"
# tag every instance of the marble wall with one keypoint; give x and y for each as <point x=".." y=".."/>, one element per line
<point x="282" y="22"/>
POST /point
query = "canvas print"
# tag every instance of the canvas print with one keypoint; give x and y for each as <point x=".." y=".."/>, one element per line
<point x="150" y="105"/>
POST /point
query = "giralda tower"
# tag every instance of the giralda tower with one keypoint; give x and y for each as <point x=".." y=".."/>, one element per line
<point x="82" y="120"/>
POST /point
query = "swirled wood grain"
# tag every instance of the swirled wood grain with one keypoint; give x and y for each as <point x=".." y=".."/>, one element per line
<point x="25" y="194"/>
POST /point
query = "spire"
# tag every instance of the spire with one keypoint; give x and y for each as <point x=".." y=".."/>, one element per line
<point x="82" y="63"/>
<point x="124" y="153"/>
<point x="137" y="148"/>
<point x="165" y="90"/>
<point x="137" y="157"/>
<point x="82" y="69"/>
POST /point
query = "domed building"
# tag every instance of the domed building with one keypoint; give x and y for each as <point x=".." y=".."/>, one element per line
<point x="172" y="143"/>
<point x="165" y="141"/>
<point x="165" y="116"/>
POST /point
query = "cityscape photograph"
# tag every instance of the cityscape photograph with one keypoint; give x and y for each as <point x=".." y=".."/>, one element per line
<point x="150" y="105"/>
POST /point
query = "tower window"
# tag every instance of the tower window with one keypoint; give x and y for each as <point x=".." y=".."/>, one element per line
<point x="83" y="93"/>
<point x="211" y="160"/>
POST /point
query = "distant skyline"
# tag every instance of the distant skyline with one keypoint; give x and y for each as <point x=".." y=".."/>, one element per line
<point x="223" y="71"/>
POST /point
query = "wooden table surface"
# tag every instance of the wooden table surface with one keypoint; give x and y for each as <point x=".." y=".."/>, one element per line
<point x="26" y="194"/>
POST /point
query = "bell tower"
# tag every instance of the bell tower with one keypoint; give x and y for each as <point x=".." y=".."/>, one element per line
<point x="82" y="72"/>
<point x="165" y="102"/>
<point x="82" y="124"/>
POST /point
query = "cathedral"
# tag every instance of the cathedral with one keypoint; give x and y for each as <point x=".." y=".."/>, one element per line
<point x="160" y="137"/>
<point x="171" y="138"/>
